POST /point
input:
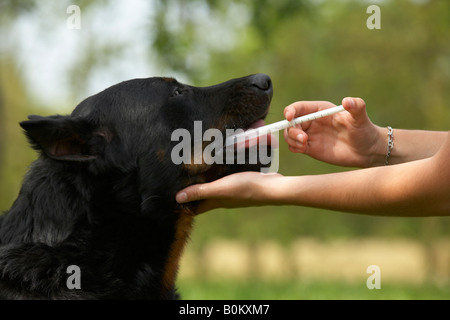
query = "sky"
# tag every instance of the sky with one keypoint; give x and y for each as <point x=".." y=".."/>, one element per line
<point x="46" y="50"/>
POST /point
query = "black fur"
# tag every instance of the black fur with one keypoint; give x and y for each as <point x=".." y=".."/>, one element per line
<point x="101" y="195"/>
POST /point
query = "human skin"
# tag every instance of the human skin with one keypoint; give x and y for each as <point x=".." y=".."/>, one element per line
<point x="417" y="185"/>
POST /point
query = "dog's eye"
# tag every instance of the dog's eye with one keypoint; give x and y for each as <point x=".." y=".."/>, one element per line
<point x="176" y="92"/>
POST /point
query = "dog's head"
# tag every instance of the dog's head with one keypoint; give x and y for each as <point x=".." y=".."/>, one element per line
<point x="131" y="125"/>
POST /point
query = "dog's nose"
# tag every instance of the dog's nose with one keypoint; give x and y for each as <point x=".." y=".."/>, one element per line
<point x="262" y="81"/>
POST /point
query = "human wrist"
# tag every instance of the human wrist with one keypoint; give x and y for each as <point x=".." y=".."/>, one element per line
<point x="377" y="153"/>
<point x="390" y="145"/>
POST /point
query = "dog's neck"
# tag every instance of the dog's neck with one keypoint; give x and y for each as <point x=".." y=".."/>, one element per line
<point x="58" y="209"/>
<point x="44" y="212"/>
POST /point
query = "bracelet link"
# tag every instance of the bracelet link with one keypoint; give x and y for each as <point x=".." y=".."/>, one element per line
<point x="390" y="144"/>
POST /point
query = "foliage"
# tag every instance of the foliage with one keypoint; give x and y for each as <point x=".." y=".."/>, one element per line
<point x="14" y="156"/>
<point x="182" y="34"/>
<point x="313" y="50"/>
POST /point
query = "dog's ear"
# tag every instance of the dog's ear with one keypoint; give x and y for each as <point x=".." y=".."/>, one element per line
<point x="63" y="138"/>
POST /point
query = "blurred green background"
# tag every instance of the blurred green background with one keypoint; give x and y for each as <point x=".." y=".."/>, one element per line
<point x="313" y="50"/>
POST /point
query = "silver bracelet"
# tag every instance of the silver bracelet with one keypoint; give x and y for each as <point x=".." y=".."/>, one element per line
<point x="390" y="144"/>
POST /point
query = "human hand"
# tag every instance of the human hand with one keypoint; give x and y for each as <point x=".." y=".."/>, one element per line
<point x="244" y="189"/>
<point x="345" y="139"/>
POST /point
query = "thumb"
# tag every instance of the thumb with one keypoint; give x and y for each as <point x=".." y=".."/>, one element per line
<point x="356" y="107"/>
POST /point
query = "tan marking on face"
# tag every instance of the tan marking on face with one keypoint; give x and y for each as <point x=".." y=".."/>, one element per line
<point x="161" y="155"/>
<point x="168" y="79"/>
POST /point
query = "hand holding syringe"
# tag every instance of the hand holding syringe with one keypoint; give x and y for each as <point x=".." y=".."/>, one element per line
<point x="280" y="125"/>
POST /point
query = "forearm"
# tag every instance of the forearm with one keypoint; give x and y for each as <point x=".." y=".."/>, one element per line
<point x="409" y="145"/>
<point x="410" y="189"/>
<point x="414" y="188"/>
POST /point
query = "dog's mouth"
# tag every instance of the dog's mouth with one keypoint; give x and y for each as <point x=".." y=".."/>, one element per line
<point x="267" y="140"/>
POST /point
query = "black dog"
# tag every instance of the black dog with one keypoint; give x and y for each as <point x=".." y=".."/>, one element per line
<point x="101" y="196"/>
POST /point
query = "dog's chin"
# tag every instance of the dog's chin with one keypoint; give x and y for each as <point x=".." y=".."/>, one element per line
<point x="216" y="172"/>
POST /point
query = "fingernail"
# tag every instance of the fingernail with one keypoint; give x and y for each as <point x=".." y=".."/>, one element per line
<point x="350" y="102"/>
<point x="181" y="197"/>
<point x="300" y="138"/>
<point x="286" y="115"/>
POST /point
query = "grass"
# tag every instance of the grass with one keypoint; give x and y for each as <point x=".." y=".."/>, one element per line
<point x="298" y="290"/>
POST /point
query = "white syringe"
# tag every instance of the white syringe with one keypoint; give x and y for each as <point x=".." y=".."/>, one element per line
<point x="280" y="125"/>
